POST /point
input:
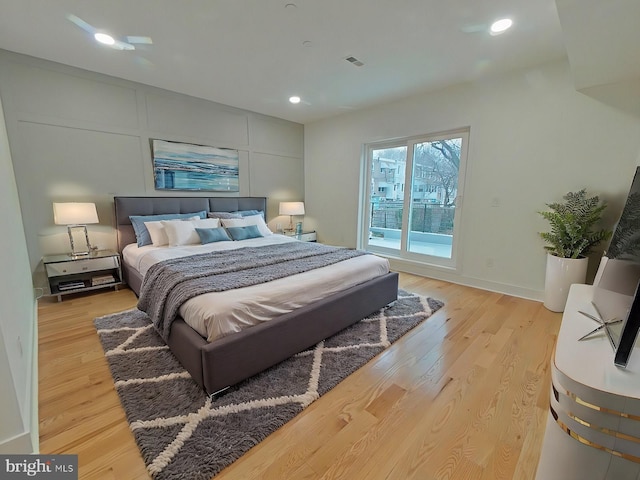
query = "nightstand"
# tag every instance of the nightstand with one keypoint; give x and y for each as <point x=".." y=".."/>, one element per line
<point x="67" y="274"/>
<point x="304" y="236"/>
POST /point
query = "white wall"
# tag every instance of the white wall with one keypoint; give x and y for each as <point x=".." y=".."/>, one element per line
<point x="85" y="137"/>
<point x="533" y="138"/>
<point x="18" y="335"/>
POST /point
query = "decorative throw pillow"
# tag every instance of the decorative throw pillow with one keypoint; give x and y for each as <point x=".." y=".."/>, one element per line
<point x="256" y="220"/>
<point x="142" y="234"/>
<point x="244" y="233"/>
<point x="210" y="235"/>
<point x="158" y="233"/>
<point x="206" y="222"/>
<point x="248" y="213"/>
<point x="184" y="233"/>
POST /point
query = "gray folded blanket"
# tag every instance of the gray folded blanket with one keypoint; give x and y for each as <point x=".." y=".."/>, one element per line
<point x="170" y="283"/>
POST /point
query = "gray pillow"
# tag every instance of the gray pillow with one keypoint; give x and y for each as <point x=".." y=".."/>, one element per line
<point x="223" y="215"/>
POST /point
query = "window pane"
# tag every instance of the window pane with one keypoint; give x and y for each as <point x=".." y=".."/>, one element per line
<point x="387" y="196"/>
<point x="434" y="189"/>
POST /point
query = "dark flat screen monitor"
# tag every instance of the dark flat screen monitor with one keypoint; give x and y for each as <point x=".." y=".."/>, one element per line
<point x="629" y="333"/>
<point x="616" y="295"/>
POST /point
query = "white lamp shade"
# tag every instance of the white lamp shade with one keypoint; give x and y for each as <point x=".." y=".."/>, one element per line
<point x="74" y="213"/>
<point x="291" y="208"/>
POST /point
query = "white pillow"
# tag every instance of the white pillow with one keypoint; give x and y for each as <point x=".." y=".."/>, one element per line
<point x="256" y="220"/>
<point x="184" y="232"/>
<point x="157" y="232"/>
<point x="205" y="222"/>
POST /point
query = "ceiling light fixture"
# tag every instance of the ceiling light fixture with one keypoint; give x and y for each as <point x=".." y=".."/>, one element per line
<point x="294" y="99"/>
<point x="104" y="38"/>
<point x="500" y="26"/>
<point x="108" y="40"/>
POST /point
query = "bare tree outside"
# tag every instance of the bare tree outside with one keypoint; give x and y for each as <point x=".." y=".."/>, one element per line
<point x="441" y="161"/>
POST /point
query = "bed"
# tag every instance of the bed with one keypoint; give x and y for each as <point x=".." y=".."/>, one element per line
<point x="218" y="363"/>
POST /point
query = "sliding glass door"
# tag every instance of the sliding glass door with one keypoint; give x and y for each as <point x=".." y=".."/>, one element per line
<point x="413" y="193"/>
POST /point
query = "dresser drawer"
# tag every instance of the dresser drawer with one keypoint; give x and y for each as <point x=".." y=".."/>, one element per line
<point x="81" y="266"/>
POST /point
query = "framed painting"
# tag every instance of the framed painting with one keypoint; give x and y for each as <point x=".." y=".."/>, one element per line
<point x="183" y="166"/>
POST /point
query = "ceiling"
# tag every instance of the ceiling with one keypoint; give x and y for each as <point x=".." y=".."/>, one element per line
<point x="255" y="54"/>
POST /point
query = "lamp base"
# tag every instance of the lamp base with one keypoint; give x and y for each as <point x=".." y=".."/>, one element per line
<point x="74" y="252"/>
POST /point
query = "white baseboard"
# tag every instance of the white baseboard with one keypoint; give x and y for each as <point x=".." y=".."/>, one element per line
<point x="449" y="275"/>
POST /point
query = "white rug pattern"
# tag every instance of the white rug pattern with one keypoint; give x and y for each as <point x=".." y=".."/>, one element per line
<point x="131" y="342"/>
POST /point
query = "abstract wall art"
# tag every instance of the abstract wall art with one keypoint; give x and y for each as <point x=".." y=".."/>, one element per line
<point x="184" y="166"/>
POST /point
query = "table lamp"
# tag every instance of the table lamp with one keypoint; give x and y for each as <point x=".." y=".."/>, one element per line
<point x="291" y="209"/>
<point x="75" y="216"/>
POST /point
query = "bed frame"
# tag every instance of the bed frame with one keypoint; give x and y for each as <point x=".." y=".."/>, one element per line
<point x="217" y="365"/>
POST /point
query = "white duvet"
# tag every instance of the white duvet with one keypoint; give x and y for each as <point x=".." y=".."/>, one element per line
<point x="214" y="315"/>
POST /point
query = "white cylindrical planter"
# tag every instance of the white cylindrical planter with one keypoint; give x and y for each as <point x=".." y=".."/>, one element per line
<point x="560" y="275"/>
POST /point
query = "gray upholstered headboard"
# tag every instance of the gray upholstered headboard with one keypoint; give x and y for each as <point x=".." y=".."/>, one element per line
<point x="125" y="206"/>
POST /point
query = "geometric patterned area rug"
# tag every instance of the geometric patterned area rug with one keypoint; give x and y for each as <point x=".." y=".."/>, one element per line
<point x="183" y="434"/>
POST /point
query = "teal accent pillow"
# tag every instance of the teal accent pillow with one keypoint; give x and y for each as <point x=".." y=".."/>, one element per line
<point x="244" y="233"/>
<point x="210" y="235"/>
<point x="248" y="213"/>
<point x="142" y="234"/>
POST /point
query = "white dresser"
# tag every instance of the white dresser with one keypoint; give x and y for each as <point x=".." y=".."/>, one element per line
<point x="593" y="425"/>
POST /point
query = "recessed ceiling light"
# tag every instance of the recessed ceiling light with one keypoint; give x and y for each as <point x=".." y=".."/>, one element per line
<point x="294" y="99"/>
<point x="500" y="26"/>
<point x="104" y="38"/>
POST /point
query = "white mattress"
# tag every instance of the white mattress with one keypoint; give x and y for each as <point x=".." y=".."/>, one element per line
<point x="214" y="315"/>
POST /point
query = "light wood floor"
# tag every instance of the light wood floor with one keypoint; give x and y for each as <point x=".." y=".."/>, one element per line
<point x="462" y="396"/>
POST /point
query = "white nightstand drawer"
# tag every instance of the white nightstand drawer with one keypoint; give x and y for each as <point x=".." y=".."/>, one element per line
<point x="81" y="266"/>
<point x="308" y="236"/>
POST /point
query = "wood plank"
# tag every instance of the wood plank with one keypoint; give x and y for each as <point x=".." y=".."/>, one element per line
<point x="462" y="396"/>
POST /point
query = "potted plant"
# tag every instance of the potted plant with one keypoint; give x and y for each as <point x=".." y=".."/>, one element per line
<point x="572" y="237"/>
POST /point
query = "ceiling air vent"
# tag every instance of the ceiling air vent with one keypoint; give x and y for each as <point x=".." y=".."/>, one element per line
<point x="354" y="61"/>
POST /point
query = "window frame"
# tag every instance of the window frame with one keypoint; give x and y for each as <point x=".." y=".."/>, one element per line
<point x="365" y="198"/>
